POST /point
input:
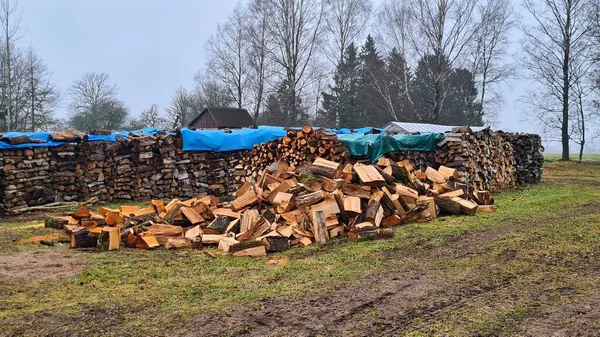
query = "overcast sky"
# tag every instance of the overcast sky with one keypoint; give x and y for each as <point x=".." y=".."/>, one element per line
<point x="148" y="47"/>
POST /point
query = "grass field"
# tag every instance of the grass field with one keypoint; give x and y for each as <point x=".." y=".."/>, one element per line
<point x="531" y="269"/>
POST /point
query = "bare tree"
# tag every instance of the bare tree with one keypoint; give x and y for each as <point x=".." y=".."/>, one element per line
<point x="394" y="19"/>
<point x="444" y="29"/>
<point x="345" y="21"/>
<point x="209" y="93"/>
<point x="556" y="50"/>
<point x="260" y="70"/>
<point x="181" y="109"/>
<point x="10" y="20"/>
<point x="94" y="104"/>
<point x="151" y="118"/>
<point x="228" y="59"/>
<point x="41" y="95"/>
<point x="295" y="28"/>
<point x="489" y="48"/>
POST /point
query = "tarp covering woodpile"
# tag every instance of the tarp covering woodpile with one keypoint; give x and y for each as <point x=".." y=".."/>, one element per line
<point x="376" y="146"/>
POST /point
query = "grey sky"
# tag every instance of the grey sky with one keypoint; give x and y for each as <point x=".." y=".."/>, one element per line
<point x="148" y="47"/>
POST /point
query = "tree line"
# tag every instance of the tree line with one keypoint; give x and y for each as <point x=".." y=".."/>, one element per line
<point x="347" y="63"/>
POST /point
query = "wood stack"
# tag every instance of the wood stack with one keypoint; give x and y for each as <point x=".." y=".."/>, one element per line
<point x="529" y="158"/>
<point x="122" y="178"/>
<point x="484" y="159"/>
<point x="163" y="178"/>
<point x="94" y="169"/>
<point x="63" y="172"/>
<point x="297" y="147"/>
<point x="285" y="208"/>
<point x="26" y="178"/>
<point x="143" y="161"/>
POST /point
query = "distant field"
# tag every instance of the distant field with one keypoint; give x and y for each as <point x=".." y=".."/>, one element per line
<point x="574" y="156"/>
<point x="531" y="269"/>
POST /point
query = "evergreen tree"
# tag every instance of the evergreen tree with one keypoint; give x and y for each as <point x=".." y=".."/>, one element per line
<point x="283" y="109"/>
<point x="399" y="77"/>
<point x="341" y="106"/>
<point x="458" y="89"/>
<point x="371" y="79"/>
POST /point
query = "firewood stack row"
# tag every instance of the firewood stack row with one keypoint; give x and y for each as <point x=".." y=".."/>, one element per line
<point x="63" y="172"/>
<point x="163" y="178"/>
<point x="121" y="183"/>
<point x="420" y="160"/>
<point x="26" y="178"/>
<point x="529" y="157"/>
<point x="484" y="159"/>
<point x="297" y="147"/>
<point x="143" y="163"/>
<point x="285" y="208"/>
<point x="94" y="168"/>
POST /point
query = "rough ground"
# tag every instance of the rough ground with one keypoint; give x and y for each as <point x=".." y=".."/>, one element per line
<point x="416" y="294"/>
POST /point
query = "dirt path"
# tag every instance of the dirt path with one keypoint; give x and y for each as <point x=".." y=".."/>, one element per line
<point x="414" y="295"/>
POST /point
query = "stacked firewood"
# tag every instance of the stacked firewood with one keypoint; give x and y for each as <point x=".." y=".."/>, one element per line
<point x="94" y="170"/>
<point x="143" y="162"/>
<point x="484" y="159"/>
<point x="298" y="146"/>
<point x="26" y="178"/>
<point x="122" y="179"/>
<point x="63" y="172"/>
<point x="529" y="157"/>
<point x="284" y="208"/>
<point x="163" y="178"/>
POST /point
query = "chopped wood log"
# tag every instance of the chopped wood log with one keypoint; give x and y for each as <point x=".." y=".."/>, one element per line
<point x="147" y="242"/>
<point x="162" y="233"/>
<point x="482" y="197"/>
<point x="129" y="210"/>
<point x="252" y="251"/>
<point x="83" y="239"/>
<point x="435" y="176"/>
<point x="319" y="228"/>
<point x="193" y="232"/>
<point x="311" y="198"/>
<point x="373" y="208"/>
<point x="55" y="223"/>
<point x="82" y="212"/>
<point x="276" y="243"/>
<point x="226" y="212"/>
<point x="448" y="172"/>
<point x="456" y="193"/>
<point x="191" y="214"/>
<point x="392" y="220"/>
<point x="352" y="205"/>
<point x="487" y="208"/>
<point x="212" y="239"/>
<point x="450" y="205"/>
<point x="369" y="175"/>
<point x="110" y="238"/>
<point x="259" y="228"/>
<point x="247" y="199"/>
<point x="217" y="226"/>
<point x="466" y="206"/>
<point x="363" y="192"/>
<point x="336" y="231"/>
<point x="178" y="243"/>
<point x="226" y="243"/>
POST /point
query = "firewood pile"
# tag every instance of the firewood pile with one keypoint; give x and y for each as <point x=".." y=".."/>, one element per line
<point x="142" y="165"/>
<point x="25" y="178"/>
<point x="297" y="147"/>
<point x="63" y="172"/>
<point x="285" y="208"/>
<point x="94" y="168"/>
<point x="484" y="159"/>
<point x="529" y="157"/>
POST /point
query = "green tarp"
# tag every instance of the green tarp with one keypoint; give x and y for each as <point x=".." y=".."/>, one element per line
<point x="376" y="146"/>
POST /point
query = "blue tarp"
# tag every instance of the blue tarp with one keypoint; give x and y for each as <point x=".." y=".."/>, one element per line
<point x="219" y="141"/>
<point x="376" y="146"/>
<point x="45" y="136"/>
<point x="113" y="136"/>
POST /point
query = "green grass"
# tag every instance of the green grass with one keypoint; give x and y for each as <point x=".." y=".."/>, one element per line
<point x="150" y="292"/>
<point x="573" y="156"/>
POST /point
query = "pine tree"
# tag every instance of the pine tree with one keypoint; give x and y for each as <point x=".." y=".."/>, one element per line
<point x="371" y="77"/>
<point x="399" y="77"/>
<point x="341" y="106"/>
<point x="459" y="104"/>
<point x="283" y="109"/>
